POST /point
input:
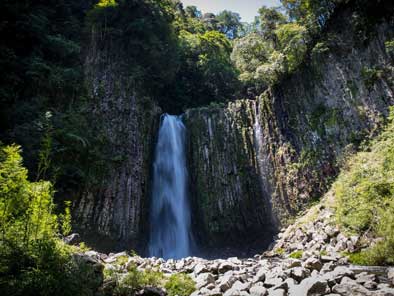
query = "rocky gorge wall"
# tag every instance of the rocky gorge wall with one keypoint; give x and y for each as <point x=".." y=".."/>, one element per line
<point x="112" y="211"/>
<point x="255" y="163"/>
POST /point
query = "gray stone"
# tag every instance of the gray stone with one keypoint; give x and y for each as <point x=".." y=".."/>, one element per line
<point x="238" y="285"/>
<point x="258" y="290"/>
<point x="371" y="285"/>
<point x="313" y="263"/>
<point x="315" y="286"/>
<point x="272" y="282"/>
<point x="337" y="274"/>
<point x="226" y="282"/>
<point x="72" y="239"/>
<point x="350" y="287"/>
<point x="235" y="292"/>
<point x="390" y="275"/>
<point x="298" y="273"/>
<point x="364" y="277"/>
<point x="260" y="276"/>
<point x="200" y="268"/>
<point x="277" y="292"/>
<point x="225" y="266"/>
<point x="204" y="279"/>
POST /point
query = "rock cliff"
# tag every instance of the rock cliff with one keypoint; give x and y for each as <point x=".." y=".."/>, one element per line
<point x="255" y="163"/>
<point x="113" y="207"/>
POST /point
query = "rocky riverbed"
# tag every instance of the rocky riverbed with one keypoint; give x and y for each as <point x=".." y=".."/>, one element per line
<point x="259" y="276"/>
<point x="307" y="258"/>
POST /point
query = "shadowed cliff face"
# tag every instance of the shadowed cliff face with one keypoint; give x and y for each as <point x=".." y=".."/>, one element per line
<point x="255" y="163"/>
<point x="111" y="212"/>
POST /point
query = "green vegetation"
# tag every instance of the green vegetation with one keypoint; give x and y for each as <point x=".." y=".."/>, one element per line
<point x="365" y="197"/>
<point x="180" y="284"/>
<point x="176" y="284"/>
<point x="33" y="261"/>
<point x="296" y="254"/>
<point x="371" y="76"/>
<point x="279" y="251"/>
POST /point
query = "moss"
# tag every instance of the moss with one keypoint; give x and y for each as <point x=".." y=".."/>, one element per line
<point x="323" y="253"/>
<point x="279" y="251"/>
<point x="296" y="254"/>
<point x="371" y="76"/>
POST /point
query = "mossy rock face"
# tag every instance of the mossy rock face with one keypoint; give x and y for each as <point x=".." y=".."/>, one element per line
<point x="112" y="214"/>
<point x="255" y="163"/>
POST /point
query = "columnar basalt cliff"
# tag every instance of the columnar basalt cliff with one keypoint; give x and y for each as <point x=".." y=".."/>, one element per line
<point x="115" y="207"/>
<point x="255" y="163"/>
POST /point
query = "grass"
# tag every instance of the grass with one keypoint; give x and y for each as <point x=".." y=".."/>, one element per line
<point x="364" y="198"/>
<point x="296" y="255"/>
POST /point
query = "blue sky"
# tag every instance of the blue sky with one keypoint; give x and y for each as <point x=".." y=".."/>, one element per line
<point x="246" y="8"/>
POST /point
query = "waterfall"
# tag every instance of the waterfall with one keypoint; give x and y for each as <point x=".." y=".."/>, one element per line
<point x="170" y="235"/>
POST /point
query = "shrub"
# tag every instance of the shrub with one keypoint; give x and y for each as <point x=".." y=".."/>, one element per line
<point x="180" y="284"/>
<point x="365" y="197"/>
<point x="33" y="261"/>
<point x="135" y="280"/>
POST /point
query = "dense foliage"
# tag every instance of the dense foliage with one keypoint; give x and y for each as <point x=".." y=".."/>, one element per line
<point x="33" y="261"/>
<point x="134" y="280"/>
<point x="174" y="54"/>
<point x="365" y="198"/>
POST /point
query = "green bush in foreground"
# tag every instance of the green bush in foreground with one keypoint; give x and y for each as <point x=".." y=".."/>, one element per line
<point x="180" y="284"/>
<point x="33" y="261"/>
<point x="365" y="198"/>
<point x="134" y="280"/>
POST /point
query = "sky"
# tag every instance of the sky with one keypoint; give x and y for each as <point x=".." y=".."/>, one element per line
<point x="246" y="8"/>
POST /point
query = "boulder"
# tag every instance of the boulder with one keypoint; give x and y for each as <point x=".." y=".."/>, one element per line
<point x="238" y="285"/>
<point x="72" y="239"/>
<point x="273" y="282"/>
<point x="200" y="268"/>
<point x="226" y="281"/>
<point x="204" y="279"/>
<point x="364" y="277"/>
<point x="390" y="275"/>
<point x="260" y="276"/>
<point x="258" y="290"/>
<point x="313" y="263"/>
<point x="349" y="286"/>
<point x="226" y="266"/>
<point x="298" y="273"/>
<point x="277" y="292"/>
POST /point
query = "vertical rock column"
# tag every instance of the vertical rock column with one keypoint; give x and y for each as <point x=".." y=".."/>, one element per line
<point x="109" y="213"/>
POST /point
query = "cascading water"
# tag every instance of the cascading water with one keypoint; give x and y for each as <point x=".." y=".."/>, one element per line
<point x="170" y="235"/>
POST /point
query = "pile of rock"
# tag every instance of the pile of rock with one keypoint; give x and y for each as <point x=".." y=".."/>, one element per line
<point x="306" y="259"/>
<point x="315" y="233"/>
<point x="261" y="276"/>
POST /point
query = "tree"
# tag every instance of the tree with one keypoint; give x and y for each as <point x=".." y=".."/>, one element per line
<point x="210" y="21"/>
<point x="249" y="53"/>
<point x="193" y="12"/>
<point x="313" y="13"/>
<point x="292" y="42"/>
<point x="270" y="19"/>
<point x="229" y="23"/>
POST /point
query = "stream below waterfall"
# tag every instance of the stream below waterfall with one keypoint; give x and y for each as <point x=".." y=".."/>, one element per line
<point x="170" y="226"/>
